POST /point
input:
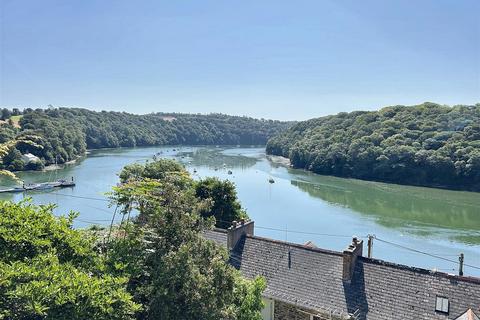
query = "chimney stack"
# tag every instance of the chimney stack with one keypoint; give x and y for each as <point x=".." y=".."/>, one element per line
<point x="350" y="255"/>
<point x="237" y="231"/>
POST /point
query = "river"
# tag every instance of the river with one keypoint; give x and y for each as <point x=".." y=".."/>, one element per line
<point x="300" y="206"/>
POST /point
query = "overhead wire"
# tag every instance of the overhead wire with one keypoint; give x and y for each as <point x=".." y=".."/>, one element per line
<point x="82" y="197"/>
<point x="305" y="232"/>
<point x="297" y="231"/>
<point x="424" y="253"/>
<point x="436" y="256"/>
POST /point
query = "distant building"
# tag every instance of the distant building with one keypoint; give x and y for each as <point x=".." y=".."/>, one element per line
<point x="308" y="283"/>
<point x="28" y="157"/>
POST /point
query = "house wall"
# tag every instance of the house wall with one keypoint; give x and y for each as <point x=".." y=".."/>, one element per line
<point x="285" y="311"/>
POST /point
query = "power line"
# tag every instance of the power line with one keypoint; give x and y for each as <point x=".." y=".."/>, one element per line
<point x="305" y="232"/>
<point x="94" y="221"/>
<point x="82" y="197"/>
<point x="441" y="257"/>
<point x="424" y="253"/>
<point x="381" y="240"/>
<point x="296" y="231"/>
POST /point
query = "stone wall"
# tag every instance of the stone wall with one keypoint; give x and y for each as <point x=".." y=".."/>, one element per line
<point x="285" y="311"/>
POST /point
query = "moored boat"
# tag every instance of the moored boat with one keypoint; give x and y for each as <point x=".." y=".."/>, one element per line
<point x="61" y="183"/>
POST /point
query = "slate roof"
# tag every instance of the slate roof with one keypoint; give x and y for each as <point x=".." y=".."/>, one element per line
<point x="217" y="235"/>
<point x="311" y="278"/>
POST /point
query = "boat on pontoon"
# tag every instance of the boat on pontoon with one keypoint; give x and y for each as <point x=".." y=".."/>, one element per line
<point x="61" y="183"/>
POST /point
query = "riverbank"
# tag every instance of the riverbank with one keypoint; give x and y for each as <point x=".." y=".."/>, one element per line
<point x="434" y="220"/>
<point x="279" y="160"/>
<point x="286" y="161"/>
<point x="52" y="167"/>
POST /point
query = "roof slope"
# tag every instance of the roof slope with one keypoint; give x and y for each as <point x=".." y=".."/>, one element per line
<point x="312" y="278"/>
<point x="217" y="235"/>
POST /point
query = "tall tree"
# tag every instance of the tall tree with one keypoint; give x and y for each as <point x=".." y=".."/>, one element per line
<point x="178" y="273"/>
<point x="225" y="205"/>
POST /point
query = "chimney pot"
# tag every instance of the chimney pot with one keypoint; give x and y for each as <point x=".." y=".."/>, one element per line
<point x="237" y="231"/>
<point x="354" y="250"/>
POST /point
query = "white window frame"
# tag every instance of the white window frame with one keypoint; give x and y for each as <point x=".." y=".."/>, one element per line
<point x="442" y="304"/>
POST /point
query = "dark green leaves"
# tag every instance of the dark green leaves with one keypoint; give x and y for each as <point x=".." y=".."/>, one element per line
<point x="428" y="144"/>
<point x="50" y="271"/>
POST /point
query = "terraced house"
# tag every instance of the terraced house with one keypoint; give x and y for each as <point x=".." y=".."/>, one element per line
<point x="308" y="283"/>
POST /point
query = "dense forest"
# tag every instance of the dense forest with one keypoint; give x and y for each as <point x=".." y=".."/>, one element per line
<point x="427" y="144"/>
<point x="62" y="134"/>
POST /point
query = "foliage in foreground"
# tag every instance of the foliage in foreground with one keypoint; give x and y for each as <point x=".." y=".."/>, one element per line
<point x="225" y="205"/>
<point x="158" y="267"/>
<point x="173" y="270"/>
<point x="428" y="144"/>
<point x="50" y="271"/>
<point x="139" y="179"/>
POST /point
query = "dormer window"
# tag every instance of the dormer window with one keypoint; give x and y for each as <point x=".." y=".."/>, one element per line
<point x="442" y="305"/>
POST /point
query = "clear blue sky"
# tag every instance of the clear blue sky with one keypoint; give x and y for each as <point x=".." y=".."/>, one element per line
<point x="263" y="58"/>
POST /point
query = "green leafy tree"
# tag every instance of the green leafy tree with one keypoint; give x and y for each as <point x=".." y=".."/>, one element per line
<point x="427" y="144"/>
<point x="68" y="132"/>
<point x="174" y="271"/>
<point x="5" y="114"/>
<point x="225" y="205"/>
<point x="50" y="271"/>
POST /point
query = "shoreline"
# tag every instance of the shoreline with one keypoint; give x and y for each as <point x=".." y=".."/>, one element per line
<point x="286" y="161"/>
<point x="279" y="160"/>
<point x="52" y="167"/>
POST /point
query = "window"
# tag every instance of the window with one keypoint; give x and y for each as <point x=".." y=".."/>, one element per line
<point x="442" y="305"/>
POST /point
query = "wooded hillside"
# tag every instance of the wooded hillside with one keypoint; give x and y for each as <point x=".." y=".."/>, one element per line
<point x="427" y="144"/>
<point x="65" y="133"/>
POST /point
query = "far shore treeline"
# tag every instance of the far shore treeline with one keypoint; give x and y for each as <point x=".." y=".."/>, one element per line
<point x="63" y="134"/>
<point x="427" y="145"/>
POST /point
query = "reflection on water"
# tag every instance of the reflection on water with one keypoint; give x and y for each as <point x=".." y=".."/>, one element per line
<point x="438" y="221"/>
<point x="417" y="210"/>
<point x="215" y="158"/>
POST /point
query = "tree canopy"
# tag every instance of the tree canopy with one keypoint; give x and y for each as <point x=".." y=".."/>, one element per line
<point x="50" y="271"/>
<point x="174" y="271"/>
<point x="66" y="133"/>
<point x="139" y="180"/>
<point x="427" y="144"/>
<point x="225" y="205"/>
<point x="156" y="265"/>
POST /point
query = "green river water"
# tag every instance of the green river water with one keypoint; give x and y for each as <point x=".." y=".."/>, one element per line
<point x="298" y="207"/>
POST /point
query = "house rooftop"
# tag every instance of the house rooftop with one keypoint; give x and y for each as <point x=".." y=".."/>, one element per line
<point x="314" y="279"/>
